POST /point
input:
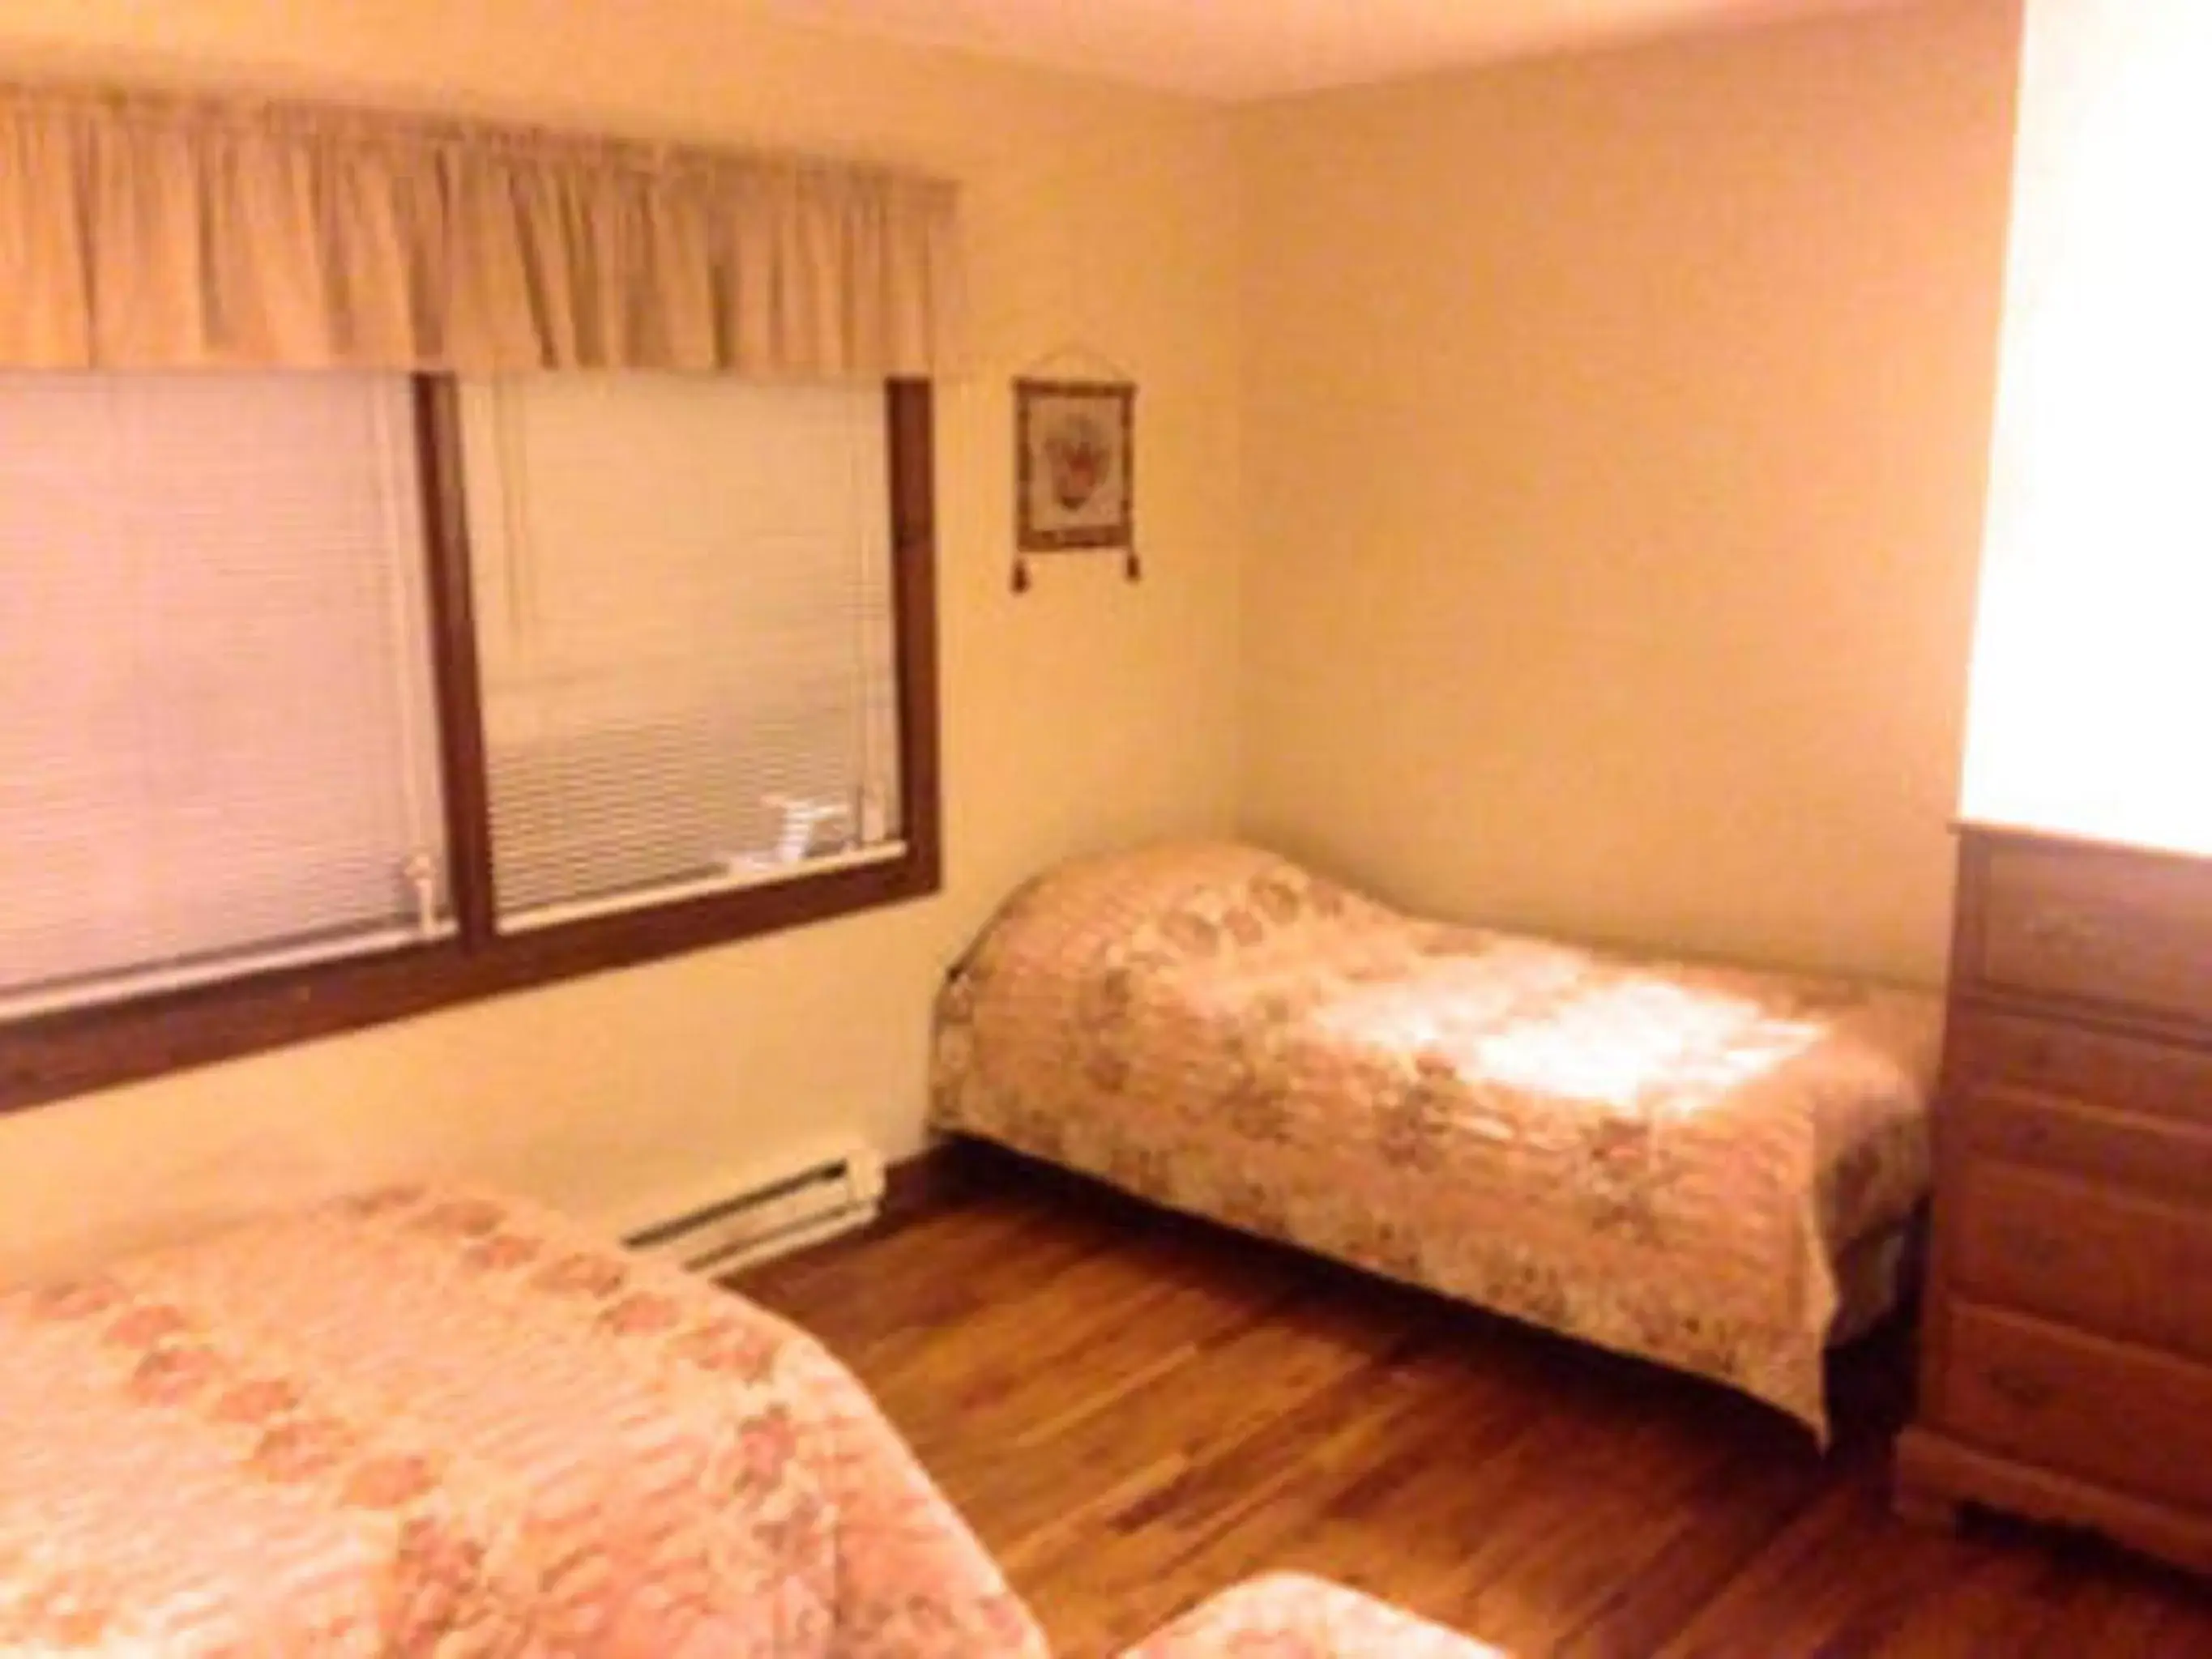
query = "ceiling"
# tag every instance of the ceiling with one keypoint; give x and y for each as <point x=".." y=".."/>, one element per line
<point x="1248" y="49"/>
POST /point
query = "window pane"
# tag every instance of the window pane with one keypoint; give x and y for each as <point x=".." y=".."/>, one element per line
<point x="684" y="607"/>
<point x="216" y="739"/>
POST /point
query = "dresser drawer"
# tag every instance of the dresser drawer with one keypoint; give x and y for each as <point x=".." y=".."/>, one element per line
<point x="2050" y="1057"/>
<point x="2150" y="1156"/>
<point x="2051" y="1244"/>
<point x="2104" y="1410"/>
<point x="2117" y="928"/>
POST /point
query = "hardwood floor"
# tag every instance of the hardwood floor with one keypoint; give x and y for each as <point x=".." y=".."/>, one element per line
<point x="1135" y="1411"/>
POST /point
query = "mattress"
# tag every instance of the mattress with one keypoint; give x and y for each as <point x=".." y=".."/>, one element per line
<point x="1668" y="1159"/>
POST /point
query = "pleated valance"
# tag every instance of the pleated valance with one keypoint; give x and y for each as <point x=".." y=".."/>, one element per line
<point x="148" y="232"/>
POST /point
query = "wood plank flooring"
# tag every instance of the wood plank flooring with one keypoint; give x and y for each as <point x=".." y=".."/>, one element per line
<point x="1135" y="1411"/>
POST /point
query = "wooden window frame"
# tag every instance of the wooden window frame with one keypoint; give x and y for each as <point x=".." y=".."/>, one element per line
<point x="52" y="1056"/>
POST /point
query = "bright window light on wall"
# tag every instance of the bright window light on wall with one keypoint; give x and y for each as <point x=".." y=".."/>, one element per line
<point x="2093" y="675"/>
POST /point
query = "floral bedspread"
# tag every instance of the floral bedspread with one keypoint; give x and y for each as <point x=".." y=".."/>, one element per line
<point x="1289" y="1616"/>
<point x="431" y="1424"/>
<point x="1664" y="1158"/>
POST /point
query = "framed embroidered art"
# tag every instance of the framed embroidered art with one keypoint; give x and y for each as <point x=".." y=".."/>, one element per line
<point x="1074" y="444"/>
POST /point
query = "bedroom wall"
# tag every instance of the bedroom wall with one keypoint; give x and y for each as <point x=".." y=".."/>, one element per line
<point x="1617" y="429"/>
<point x="1087" y="713"/>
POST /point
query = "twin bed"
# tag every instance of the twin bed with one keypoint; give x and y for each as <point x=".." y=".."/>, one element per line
<point x="1716" y="1169"/>
<point x="421" y="1424"/>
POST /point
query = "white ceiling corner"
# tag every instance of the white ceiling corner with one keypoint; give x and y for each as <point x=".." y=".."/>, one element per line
<point x="1242" y="50"/>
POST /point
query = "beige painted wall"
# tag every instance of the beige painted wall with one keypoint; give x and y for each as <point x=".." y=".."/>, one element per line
<point x="1617" y="431"/>
<point x="1088" y="713"/>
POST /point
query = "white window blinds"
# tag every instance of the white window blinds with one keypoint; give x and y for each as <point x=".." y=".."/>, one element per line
<point x="217" y="749"/>
<point x="685" y="626"/>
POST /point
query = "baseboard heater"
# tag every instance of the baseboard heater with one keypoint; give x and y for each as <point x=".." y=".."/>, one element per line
<point x="796" y="1203"/>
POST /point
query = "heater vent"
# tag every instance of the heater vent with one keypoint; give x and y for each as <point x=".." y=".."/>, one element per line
<point x="779" y="1210"/>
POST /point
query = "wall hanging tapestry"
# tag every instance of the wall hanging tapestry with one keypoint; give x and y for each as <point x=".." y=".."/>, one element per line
<point x="1075" y="456"/>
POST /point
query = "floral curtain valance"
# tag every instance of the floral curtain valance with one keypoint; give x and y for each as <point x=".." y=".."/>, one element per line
<point x="142" y="232"/>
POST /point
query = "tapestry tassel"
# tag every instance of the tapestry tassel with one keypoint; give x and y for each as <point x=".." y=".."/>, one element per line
<point x="1021" y="575"/>
<point x="1134" y="566"/>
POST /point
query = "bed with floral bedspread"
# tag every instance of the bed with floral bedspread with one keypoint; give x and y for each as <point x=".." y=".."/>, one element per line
<point x="1685" y="1162"/>
<point x="438" y="1425"/>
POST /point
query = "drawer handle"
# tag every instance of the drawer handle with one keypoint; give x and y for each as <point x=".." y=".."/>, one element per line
<point x="2060" y="931"/>
<point x="2022" y="1389"/>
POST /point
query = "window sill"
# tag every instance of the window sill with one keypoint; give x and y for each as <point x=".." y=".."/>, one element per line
<point x="54" y="1056"/>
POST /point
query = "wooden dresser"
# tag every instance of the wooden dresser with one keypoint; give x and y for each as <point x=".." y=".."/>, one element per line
<point x="2066" y="1370"/>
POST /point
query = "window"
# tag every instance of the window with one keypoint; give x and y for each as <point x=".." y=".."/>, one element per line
<point x="329" y="698"/>
<point x="217" y="751"/>
<point x="683" y="606"/>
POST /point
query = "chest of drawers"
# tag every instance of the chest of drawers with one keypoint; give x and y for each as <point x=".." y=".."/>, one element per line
<point x="2066" y="1367"/>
